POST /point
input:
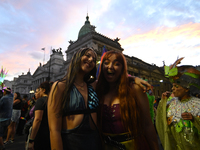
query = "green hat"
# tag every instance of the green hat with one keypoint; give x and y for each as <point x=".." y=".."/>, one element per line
<point x="187" y="76"/>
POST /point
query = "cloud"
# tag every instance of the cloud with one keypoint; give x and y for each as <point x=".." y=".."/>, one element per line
<point x="138" y="17"/>
<point x="165" y="43"/>
<point x="27" y="26"/>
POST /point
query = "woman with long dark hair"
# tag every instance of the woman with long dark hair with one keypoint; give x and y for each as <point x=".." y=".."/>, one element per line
<point x="124" y="113"/>
<point x="39" y="136"/>
<point x="16" y="113"/>
<point x="72" y="106"/>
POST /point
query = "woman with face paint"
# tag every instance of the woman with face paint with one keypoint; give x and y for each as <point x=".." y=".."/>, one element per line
<point x="178" y="116"/>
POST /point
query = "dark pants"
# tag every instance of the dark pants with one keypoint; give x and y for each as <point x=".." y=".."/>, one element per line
<point x="3" y="127"/>
<point x="20" y="127"/>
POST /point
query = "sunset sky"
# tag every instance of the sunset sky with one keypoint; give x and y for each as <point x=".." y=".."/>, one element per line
<point x="151" y="30"/>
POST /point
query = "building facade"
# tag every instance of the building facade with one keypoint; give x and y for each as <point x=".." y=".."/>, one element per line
<point x="49" y="71"/>
<point x="88" y="37"/>
<point x="23" y="84"/>
<point x="56" y="67"/>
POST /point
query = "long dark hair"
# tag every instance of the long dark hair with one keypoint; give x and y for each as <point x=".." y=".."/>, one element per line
<point x="73" y="69"/>
<point x="47" y="86"/>
<point x="129" y="110"/>
<point x="18" y="96"/>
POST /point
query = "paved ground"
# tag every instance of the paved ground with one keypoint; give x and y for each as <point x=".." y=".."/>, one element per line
<point x="19" y="143"/>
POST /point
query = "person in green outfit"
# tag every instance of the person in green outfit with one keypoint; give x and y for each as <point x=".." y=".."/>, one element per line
<point x="151" y="99"/>
<point x="178" y="116"/>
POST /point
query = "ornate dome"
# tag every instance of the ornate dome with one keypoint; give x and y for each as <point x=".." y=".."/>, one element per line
<point x="86" y="28"/>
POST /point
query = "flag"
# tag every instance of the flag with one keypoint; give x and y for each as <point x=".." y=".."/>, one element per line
<point x="43" y="49"/>
<point x="103" y="52"/>
<point x="3" y="74"/>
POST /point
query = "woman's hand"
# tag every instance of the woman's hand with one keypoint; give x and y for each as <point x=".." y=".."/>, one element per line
<point x="166" y="94"/>
<point x="143" y="84"/>
<point x="31" y="146"/>
<point x="187" y="116"/>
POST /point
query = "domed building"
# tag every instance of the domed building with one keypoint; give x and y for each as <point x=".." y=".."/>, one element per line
<point x="86" y="28"/>
<point x="56" y="67"/>
<point x="88" y="37"/>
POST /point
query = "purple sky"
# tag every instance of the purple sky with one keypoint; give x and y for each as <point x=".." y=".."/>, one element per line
<point x="151" y="30"/>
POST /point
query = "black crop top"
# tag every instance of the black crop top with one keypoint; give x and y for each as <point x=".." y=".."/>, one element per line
<point x="18" y="106"/>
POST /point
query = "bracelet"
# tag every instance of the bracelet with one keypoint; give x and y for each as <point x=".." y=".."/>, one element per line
<point x="31" y="141"/>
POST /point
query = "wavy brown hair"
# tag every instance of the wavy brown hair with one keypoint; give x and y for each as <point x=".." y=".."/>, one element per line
<point x="130" y="113"/>
<point x="72" y="71"/>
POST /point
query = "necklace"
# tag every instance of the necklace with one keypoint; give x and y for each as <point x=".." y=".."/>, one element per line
<point x="81" y="86"/>
<point x="176" y="108"/>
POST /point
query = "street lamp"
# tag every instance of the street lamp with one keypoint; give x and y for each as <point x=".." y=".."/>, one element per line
<point x="32" y="91"/>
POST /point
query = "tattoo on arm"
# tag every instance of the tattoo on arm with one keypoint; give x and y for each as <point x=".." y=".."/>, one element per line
<point x="57" y="115"/>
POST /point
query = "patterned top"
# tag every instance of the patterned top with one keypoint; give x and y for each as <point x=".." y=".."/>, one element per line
<point x="176" y="133"/>
<point x="86" y="135"/>
<point x="77" y="103"/>
<point x="177" y="107"/>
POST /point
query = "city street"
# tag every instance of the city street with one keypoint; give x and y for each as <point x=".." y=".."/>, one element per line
<point x="19" y="143"/>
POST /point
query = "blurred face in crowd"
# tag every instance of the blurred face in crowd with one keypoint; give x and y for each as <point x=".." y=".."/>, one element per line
<point x="37" y="93"/>
<point x="4" y="93"/>
<point x="15" y="95"/>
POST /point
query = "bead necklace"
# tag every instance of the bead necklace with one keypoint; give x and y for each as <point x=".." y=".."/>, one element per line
<point x="174" y="111"/>
<point x="176" y="108"/>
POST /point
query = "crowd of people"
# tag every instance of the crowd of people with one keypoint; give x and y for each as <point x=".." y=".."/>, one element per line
<point x="13" y="110"/>
<point x="111" y="111"/>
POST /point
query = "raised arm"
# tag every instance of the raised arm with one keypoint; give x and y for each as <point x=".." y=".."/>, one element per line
<point x="54" y="116"/>
<point x="149" y="131"/>
<point x="142" y="83"/>
<point x="16" y="101"/>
